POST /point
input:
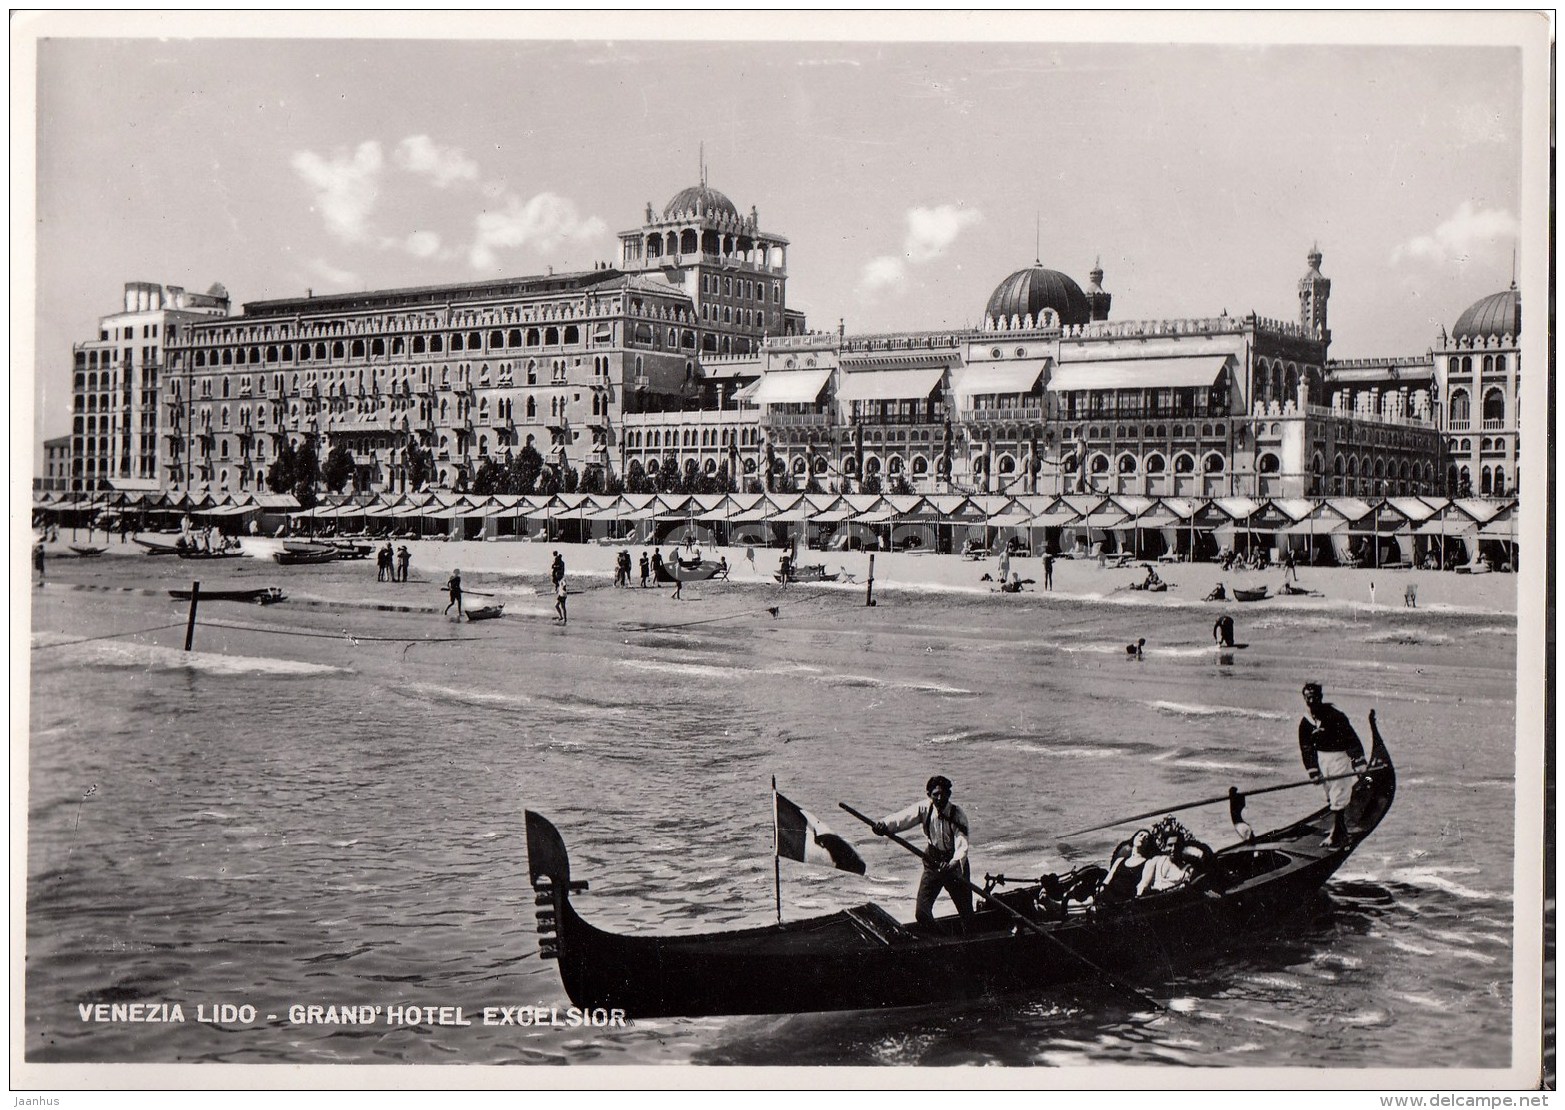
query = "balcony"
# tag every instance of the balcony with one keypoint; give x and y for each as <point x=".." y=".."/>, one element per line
<point x="1025" y="414"/>
<point x="1494" y="425"/>
<point x="797" y="420"/>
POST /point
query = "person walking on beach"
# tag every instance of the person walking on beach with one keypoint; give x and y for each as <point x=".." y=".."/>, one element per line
<point x="454" y="589"/>
<point x="945" y="861"/>
<point x="1005" y="564"/>
<point x="646" y="569"/>
<point x="38" y="560"/>
<point x="1330" y="750"/>
<point x="385" y="568"/>
<point x="559" y="601"/>
<point x="1048" y="570"/>
<point x="1289" y="568"/>
<point x="657" y="567"/>
<point x="679" y="584"/>
<point x="404" y="557"/>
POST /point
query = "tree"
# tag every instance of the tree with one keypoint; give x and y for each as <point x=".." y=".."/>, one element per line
<point x="690" y="481"/>
<point x="870" y="484"/>
<point x="636" y="478"/>
<point x="279" y="476"/>
<point x="490" y="477"/>
<point x="306" y="475"/>
<point x="669" y="474"/>
<point x="725" y="479"/>
<point x="569" y="479"/>
<point x="548" y="483"/>
<point x="592" y="479"/>
<point x="339" y="468"/>
<point x="900" y="484"/>
<point x="524" y="471"/>
<point x="419" y="465"/>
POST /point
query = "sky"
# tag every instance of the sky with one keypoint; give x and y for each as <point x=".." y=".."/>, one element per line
<point x="911" y="178"/>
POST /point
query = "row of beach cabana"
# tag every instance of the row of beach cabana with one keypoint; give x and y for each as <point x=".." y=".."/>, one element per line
<point x="1343" y="530"/>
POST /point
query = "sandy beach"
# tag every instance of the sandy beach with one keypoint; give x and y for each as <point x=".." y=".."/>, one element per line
<point x="1074" y="579"/>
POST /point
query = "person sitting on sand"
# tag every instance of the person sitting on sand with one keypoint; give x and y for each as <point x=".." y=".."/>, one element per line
<point x="1219" y="593"/>
<point x="1136" y="648"/>
<point x="1152" y="581"/>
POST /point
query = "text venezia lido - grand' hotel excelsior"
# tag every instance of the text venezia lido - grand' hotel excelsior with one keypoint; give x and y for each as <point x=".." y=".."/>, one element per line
<point x="685" y="349"/>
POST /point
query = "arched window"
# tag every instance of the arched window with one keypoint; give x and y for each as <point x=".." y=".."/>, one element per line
<point x="1460" y="408"/>
<point x="1155" y="464"/>
<point x="1098" y="464"/>
<point x="1269" y="464"/>
<point x="1493" y="406"/>
<point x="1127" y="464"/>
<point x="1213" y="463"/>
<point x="1499" y="481"/>
<point x="1184" y="463"/>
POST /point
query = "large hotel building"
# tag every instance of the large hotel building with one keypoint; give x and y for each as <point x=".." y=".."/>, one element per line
<point x="683" y="352"/>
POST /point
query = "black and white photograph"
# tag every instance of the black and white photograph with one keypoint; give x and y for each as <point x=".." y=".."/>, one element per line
<point x="680" y="543"/>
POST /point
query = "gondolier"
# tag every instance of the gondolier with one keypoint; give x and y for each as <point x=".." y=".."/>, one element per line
<point x="1330" y="748"/>
<point x="945" y="860"/>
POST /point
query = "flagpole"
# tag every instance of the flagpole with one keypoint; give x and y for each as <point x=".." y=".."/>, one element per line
<point x="776" y="860"/>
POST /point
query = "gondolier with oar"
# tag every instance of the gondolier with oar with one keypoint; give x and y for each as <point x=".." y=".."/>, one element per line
<point x="945" y="860"/>
<point x="1332" y="752"/>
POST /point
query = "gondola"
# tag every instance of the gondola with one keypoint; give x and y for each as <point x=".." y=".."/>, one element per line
<point x="262" y="595"/>
<point x="485" y="612"/>
<point x="863" y="958"/>
<point x="1256" y="594"/>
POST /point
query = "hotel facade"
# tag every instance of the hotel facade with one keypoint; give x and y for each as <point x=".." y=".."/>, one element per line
<point x="684" y="352"/>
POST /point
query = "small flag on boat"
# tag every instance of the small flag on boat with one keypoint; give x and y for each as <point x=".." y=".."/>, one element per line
<point x="804" y="837"/>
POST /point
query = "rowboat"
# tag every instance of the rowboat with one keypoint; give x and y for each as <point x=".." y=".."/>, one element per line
<point x="296" y="558"/>
<point x="485" y="612"/>
<point x="263" y="595"/>
<point x="864" y="958"/>
<point x="308" y="547"/>
<point x="676" y="570"/>
<point x="196" y="553"/>
<point x="347" y="550"/>
<point x="87" y="552"/>
<point x="1256" y="594"/>
<point x="813" y="573"/>
<point x="155" y="547"/>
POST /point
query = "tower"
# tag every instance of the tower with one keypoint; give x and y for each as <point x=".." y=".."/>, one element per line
<point x="1314" y="291"/>
<point x="1097" y="299"/>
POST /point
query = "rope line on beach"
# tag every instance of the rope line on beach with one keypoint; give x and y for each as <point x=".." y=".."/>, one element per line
<point x="109" y="636"/>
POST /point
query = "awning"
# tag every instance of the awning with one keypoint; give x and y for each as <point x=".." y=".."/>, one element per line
<point x="1010" y="520"/>
<point x="1002" y="377"/>
<point x="752" y="516"/>
<point x="888" y="385"/>
<point x="831" y="516"/>
<point x="1139" y="373"/>
<point x="790" y="387"/>
<point x="878" y="516"/>
<point x="1058" y="518"/>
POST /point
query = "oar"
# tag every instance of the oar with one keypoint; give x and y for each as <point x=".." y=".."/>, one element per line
<point x="1026" y="922"/>
<point x="1222" y="798"/>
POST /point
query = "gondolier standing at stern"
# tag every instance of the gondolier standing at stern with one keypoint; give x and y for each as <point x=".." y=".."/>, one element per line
<point x="945" y="860"/>
<point x="1330" y="748"/>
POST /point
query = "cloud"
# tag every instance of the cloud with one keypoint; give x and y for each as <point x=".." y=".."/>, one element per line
<point x="1470" y="229"/>
<point x="931" y="230"/>
<point x="331" y="275"/>
<point x="885" y="272"/>
<point x="422" y="244"/>
<point x="542" y="224"/>
<point x="930" y="233"/>
<point x="443" y="165"/>
<point x="346" y="187"/>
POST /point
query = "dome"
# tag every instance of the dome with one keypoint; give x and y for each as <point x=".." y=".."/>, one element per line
<point x="1496" y="315"/>
<point x="702" y="199"/>
<point x="1030" y="291"/>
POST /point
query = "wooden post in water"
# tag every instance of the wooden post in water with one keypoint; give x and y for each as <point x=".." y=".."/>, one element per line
<point x="190" y="624"/>
<point x="869" y="588"/>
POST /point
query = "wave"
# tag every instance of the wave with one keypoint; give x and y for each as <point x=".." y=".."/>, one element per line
<point x="151" y="656"/>
<point x="689" y="670"/>
<point x="1199" y="710"/>
<point x="427" y="692"/>
<point x="1433" y="879"/>
<point x="1223" y="765"/>
<point x="1407" y="636"/>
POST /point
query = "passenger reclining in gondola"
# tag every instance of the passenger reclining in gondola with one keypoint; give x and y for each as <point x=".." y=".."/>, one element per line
<point x="1126" y="866"/>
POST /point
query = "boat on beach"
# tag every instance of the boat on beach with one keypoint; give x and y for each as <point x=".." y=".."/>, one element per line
<point x="289" y="558"/>
<point x="155" y="547"/>
<point x="678" y="570"/>
<point x="1258" y="593"/>
<point x="261" y="595"/>
<point x="201" y="553"/>
<point x="486" y="612"/>
<point x="1018" y="940"/>
<point x="86" y="552"/>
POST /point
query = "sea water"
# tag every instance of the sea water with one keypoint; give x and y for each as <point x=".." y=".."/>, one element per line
<point x="320" y="807"/>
